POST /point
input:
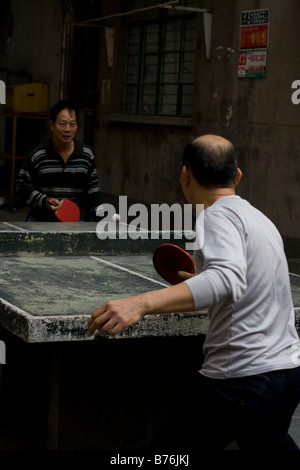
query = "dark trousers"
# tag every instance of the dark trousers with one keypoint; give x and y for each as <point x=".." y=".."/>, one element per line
<point x="254" y="411"/>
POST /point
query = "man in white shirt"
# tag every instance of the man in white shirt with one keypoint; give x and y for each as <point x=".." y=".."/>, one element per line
<point x="249" y="384"/>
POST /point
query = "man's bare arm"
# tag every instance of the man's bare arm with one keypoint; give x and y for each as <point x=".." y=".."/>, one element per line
<point x="115" y="315"/>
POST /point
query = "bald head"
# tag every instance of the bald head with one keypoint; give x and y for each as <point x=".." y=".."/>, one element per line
<point x="214" y="144"/>
<point x="212" y="161"/>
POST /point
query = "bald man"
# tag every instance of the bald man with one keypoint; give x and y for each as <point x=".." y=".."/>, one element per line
<point x="249" y="383"/>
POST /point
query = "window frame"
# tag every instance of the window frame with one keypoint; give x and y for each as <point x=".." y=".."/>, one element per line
<point x="163" y="21"/>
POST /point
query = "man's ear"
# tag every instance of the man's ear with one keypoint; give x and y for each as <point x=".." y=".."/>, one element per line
<point x="238" y="176"/>
<point x="185" y="175"/>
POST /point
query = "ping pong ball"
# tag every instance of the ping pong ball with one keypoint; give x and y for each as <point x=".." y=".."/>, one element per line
<point x="116" y="218"/>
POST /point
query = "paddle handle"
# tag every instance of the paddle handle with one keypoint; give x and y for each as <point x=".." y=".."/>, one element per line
<point x="52" y="202"/>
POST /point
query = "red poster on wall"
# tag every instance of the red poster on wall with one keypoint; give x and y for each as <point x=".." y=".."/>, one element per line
<point x="254" y="29"/>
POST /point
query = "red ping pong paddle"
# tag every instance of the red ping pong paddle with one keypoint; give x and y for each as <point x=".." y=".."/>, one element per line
<point x="68" y="211"/>
<point x="168" y="259"/>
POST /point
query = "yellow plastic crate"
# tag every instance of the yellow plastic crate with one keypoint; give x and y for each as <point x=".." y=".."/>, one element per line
<point x="27" y="98"/>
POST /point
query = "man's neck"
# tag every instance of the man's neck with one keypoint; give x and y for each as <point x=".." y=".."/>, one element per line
<point x="214" y="194"/>
<point x="65" y="150"/>
<point x="208" y="197"/>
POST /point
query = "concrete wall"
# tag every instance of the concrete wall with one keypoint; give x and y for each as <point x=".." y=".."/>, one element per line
<point x="264" y="123"/>
<point x="142" y="158"/>
<point x="143" y="161"/>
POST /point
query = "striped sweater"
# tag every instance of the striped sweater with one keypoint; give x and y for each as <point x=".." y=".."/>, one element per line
<point x="45" y="174"/>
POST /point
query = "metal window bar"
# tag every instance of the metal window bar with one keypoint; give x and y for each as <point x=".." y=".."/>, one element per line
<point x="142" y="69"/>
<point x="160" y="72"/>
<point x="180" y="70"/>
<point x="150" y="69"/>
<point x="174" y="92"/>
<point x="131" y="84"/>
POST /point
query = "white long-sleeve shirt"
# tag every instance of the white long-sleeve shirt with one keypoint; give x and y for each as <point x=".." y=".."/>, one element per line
<point x="244" y="282"/>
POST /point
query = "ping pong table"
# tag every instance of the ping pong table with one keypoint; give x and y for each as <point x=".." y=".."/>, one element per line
<point x="53" y="276"/>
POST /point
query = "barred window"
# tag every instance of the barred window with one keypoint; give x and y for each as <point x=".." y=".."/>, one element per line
<point x="159" y="65"/>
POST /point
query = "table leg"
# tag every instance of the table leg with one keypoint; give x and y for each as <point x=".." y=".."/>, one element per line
<point x="1" y="336"/>
<point x="54" y="395"/>
<point x="13" y="163"/>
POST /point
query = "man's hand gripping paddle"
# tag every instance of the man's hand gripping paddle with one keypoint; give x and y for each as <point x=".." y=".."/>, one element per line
<point x="68" y="211"/>
<point x="168" y="259"/>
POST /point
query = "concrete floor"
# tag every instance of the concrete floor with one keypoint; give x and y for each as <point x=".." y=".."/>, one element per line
<point x="19" y="215"/>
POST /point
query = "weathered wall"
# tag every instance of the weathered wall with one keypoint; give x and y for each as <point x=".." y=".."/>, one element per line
<point x="257" y="114"/>
<point x="143" y="161"/>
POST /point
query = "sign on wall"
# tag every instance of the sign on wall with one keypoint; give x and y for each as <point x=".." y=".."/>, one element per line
<point x="254" y="29"/>
<point x="252" y="63"/>
<point x="254" y="38"/>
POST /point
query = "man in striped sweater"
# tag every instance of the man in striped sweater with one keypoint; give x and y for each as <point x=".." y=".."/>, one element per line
<point x="60" y="168"/>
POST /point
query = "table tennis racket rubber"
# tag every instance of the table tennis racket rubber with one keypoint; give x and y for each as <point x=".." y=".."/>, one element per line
<point x="168" y="259"/>
<point x="67" y="212"/>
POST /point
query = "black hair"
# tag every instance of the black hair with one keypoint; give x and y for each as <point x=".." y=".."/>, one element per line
<point x="59" y="106"/>
<point x="213" y="164"/>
